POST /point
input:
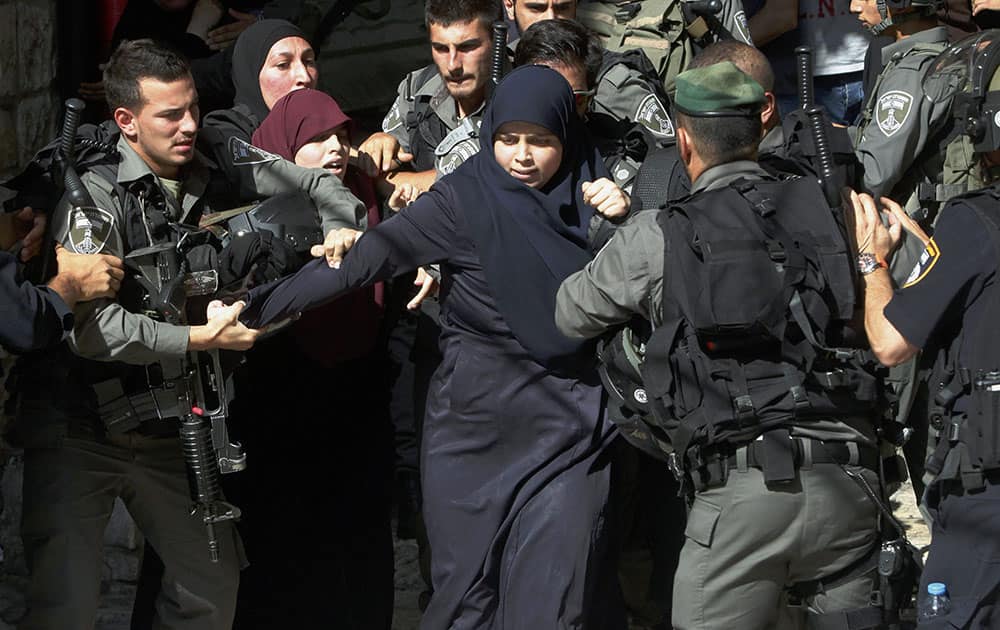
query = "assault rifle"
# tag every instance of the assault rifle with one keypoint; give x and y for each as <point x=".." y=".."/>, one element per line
<point x="201" y="388"/>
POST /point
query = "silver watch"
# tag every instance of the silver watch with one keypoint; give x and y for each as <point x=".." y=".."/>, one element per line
<point x="867" y="263"/>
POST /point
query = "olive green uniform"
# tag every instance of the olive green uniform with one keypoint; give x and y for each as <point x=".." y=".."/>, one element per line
<point x="745" y="543"/>
<point x="74" y="469"/>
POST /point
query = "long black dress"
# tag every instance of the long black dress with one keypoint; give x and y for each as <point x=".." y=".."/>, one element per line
<point x="515" y="474"/>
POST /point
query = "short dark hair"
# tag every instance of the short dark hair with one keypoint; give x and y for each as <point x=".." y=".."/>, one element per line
<point x="448" y="12"/>
<point x="745" y="57"/>
<point x="564" y="42"/>
<point x="136" y="60"/>
<point x="719" y="140"/>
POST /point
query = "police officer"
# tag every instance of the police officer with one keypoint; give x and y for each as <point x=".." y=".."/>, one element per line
<point x="947" y="307"/>
<point x="626" y="108"/>
<point x="436" y="101"/>
<point x="900" y="140"/>
<point x="773" y="505"/>
<point x="80" y="455"/>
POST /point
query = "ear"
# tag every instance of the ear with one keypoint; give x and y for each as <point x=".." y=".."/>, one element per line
<point x="769" y="112"/>
<point x="125" y="120"/>
<point x="684" y="146"/>
<point x="508" y="5"/>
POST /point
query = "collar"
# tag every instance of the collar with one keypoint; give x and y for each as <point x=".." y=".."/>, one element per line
<point x="724" y="174"/>
<point x="443" y="104"/>
<point x="936" y="35"/>
<point x="195" y="175"/>
<point x="773" y="140"/>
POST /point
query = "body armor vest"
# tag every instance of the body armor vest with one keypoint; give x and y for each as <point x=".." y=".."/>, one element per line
<point x="758" y="288"/>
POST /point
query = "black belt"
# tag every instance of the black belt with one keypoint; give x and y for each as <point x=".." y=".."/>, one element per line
<point x="808" y="451"/>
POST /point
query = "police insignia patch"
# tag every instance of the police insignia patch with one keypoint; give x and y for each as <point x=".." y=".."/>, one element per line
<point x="925" y="263"/>
<point x="244" y="153"/>
<point x="892" y="110"/>
<point x="653" y="116"/>
<point x="392" y="120"/>
<point x="742" y="27"/>
<point x="90" y="230"/>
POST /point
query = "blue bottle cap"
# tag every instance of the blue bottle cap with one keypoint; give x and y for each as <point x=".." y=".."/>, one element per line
<point x="936" y="588"/>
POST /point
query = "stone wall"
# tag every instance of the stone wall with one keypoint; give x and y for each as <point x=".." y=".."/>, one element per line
<point x="28" y="103"/>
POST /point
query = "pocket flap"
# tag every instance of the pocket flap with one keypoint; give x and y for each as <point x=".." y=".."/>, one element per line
<point x="701" y="522"/>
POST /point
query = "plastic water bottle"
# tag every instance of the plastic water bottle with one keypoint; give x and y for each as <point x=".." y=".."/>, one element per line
<point x="935" y="604"/>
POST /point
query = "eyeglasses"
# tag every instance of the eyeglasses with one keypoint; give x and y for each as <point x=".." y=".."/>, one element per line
<point x="583" y="98"/>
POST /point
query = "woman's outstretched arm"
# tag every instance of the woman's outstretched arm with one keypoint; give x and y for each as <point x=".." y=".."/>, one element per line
<point x="420" y="235"/>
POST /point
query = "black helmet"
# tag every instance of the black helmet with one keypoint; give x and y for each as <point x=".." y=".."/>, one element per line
<point x="967" y="72"/>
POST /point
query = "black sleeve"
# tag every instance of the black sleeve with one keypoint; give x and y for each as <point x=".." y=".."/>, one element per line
<point x="420" y="235"/>
<point x="31" y="318"/>
<point x="960" y="256"/>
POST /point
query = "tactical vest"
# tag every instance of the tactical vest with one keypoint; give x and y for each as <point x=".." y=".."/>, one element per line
<point x="969" y="443"/>
<point x="668" y="34"/>
<point x="946" y="167"/>
<point x="424" y="127"/>
<point x="624" y="128"/>
<point x="758" y="289"/>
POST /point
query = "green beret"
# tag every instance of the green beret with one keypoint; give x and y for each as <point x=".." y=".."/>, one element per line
<point x="720" y="89"/>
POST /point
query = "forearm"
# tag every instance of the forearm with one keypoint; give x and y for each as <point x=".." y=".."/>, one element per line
<point x="421" y="180"/>
<point x="105" y="331"/>
<point x="773" y="20"/>
<point x="336" y="205"/>
<point x="889" y="346"/>
<point x="66" y="289"/>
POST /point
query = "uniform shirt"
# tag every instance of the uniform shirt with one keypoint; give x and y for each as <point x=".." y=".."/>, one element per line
<point x="255" y="173"/>
<point x="31" y="318"/>
<point x="104" y="330"/>
<point x="452" y="149"/>
<point x="941" y="298"/>
<point x="898" y="121"/>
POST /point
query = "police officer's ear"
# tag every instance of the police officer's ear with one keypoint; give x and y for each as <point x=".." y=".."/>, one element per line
<point x="508" y="6"/>
<point x="684" y="145"/>
<point x="125" y="119"/>
<point x="769" y="114"/>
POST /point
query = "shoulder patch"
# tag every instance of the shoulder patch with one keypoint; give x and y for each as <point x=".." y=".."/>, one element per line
<point x="891" y="111"/>
<point x="393" y="120"/>
<point x="90" y="229"/>
<point x="652" y="115"/>
<point x="742" y="27"/>
<point x="244" y="153"/>
<point x="925" y="263"/>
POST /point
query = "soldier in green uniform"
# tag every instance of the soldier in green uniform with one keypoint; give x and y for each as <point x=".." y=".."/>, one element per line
<point x="773" y="508"/>
<point x="900" y="141"/>
<point x="77" y="461"/>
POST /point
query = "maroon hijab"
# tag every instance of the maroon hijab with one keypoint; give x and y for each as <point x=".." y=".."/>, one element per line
<point x="300" y="116"/>
<point x="293" y="122"/>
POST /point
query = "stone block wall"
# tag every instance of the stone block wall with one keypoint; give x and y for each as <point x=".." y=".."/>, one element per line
<point x="28" y="103"/>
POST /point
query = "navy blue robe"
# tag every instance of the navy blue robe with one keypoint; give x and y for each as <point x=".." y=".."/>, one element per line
<point x="514" y="459"/>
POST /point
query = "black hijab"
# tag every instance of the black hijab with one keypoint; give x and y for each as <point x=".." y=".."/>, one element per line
<point x="249" y="55"/>
<point x="530" y="240"/>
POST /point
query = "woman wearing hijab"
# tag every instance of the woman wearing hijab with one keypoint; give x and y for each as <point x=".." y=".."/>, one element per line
<point x="515" y="448"/>
<point x="271" y="59"/>
<point x="344" y="578"/>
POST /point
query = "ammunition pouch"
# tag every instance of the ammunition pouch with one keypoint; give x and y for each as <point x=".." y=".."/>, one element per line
<point x="146" y="399"/>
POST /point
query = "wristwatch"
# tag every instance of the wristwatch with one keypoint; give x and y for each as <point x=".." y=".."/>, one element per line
<point x="867" y="263"/>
